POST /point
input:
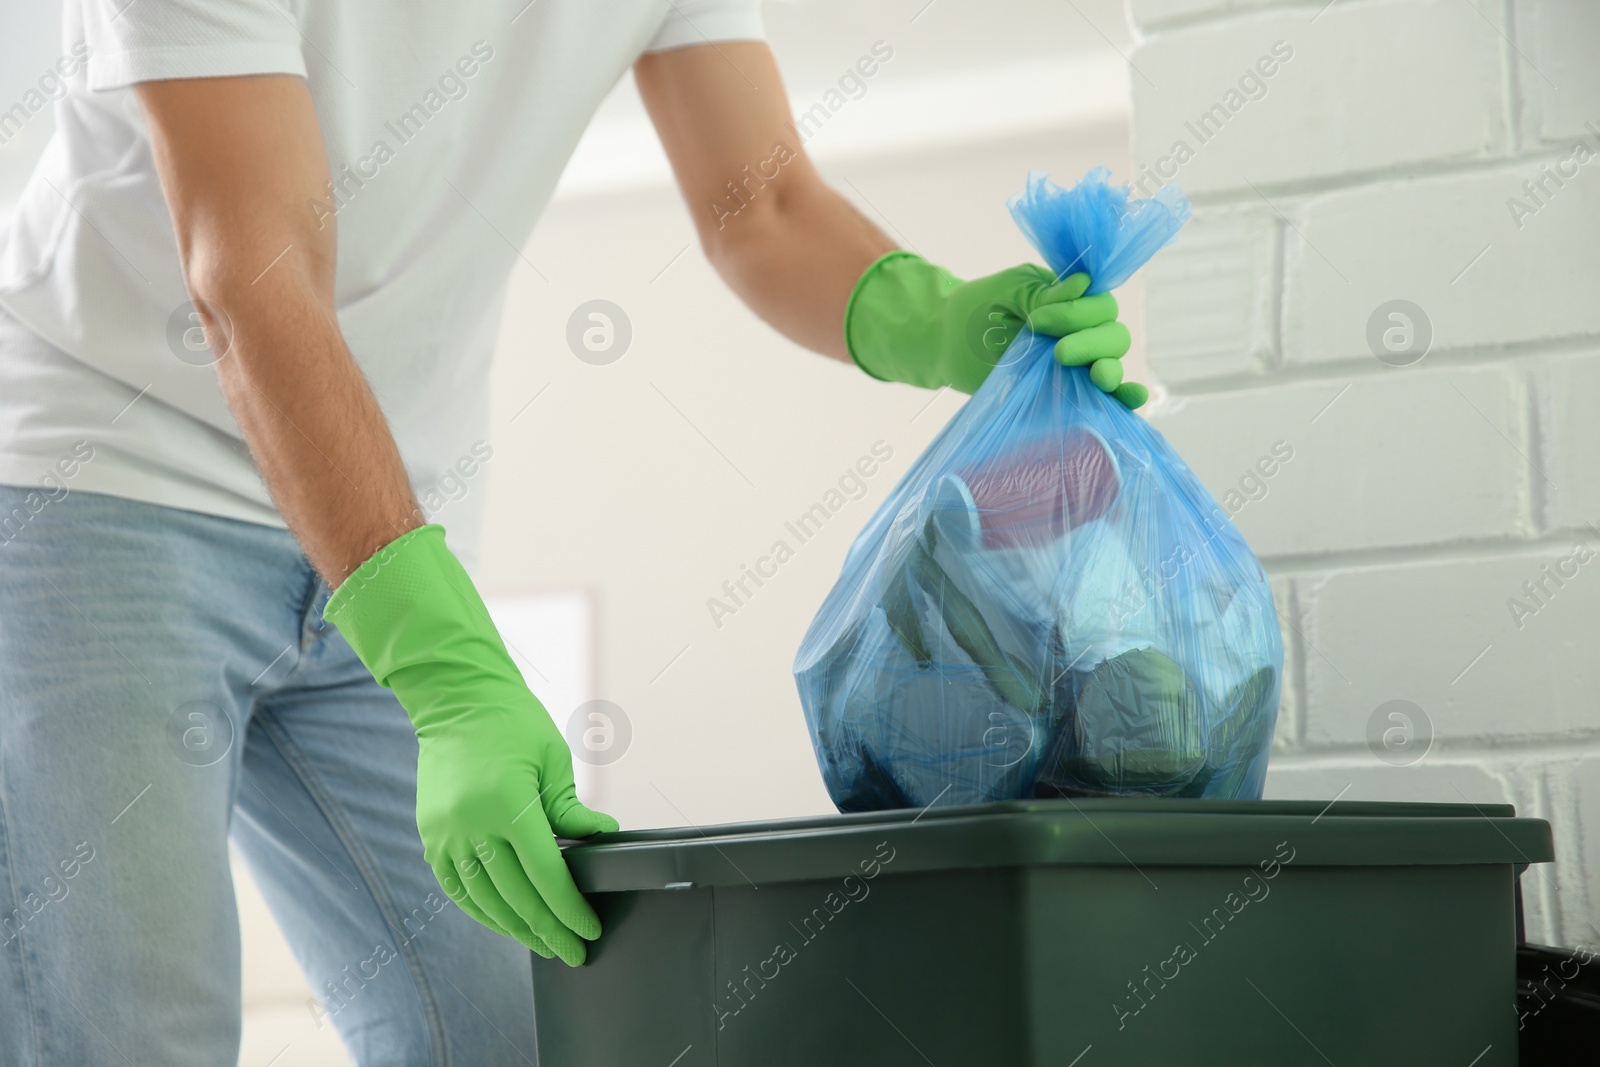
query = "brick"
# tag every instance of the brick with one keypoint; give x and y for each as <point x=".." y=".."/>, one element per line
<point x="1433" y="781"/>
<point x="1564" y="391"/>
<point x="1533" y="779"/>
<point x="1209" y="302"/>
<point x="1405" y="458"/>
<point x="1444" y="635"/>
<point x="1450" y="245"/>
<point x="1579" y="878"/>
<point x="1368" y="86"/>
<point x="1287" y="734"/>
<point x="1559" y="78"/>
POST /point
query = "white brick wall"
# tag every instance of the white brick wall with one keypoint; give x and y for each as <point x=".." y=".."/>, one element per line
<point x="1562" y="34"/>
<point x="1367" y="86"/>
<point x="1361" y="445"/>
<point x="1449" y="244"/>
<point x="1217" y="298"/>
<point x="1385" y="160"/>
<point x="1569" y="442"/>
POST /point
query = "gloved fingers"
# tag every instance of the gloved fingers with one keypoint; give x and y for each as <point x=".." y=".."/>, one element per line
<point x="519" y="892"/>
<point x="1069" y="288"/>
<point x="451" y="883"/>
<point x="546" y="869"/>
<point x="1106" y="374"/>
<point x="1109" y="340"/>
<point x="566" y="814"/>
<point x="580" y="820"/>
<point x="1132" y="394"/>
<point x="487" y="897"/>
<point x="1070" y="316"/>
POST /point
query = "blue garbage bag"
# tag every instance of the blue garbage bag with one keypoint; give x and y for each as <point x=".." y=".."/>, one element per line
<point x="1048" y="603"/>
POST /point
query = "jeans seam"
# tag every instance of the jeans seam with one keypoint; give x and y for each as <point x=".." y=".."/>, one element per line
<point x="301" y="614"/>
<point x="368" y="870"/>
<point x="24" y="956"/>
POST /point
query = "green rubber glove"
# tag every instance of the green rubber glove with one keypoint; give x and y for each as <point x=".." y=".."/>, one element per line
<point x="494" y="774"/>
<point x="910" y="321"/>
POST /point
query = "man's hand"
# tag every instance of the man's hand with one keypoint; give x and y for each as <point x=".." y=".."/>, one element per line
<point x="910" y="321"/>
<point x="494" y="775"/>
<point x="808" y="263"/>
<point x="1090" y="335"/>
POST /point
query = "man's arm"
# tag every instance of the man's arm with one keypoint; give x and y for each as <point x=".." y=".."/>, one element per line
<point x="240" y="161"/>
<point x="790" y="246"/>
<point x="815" y="269"/>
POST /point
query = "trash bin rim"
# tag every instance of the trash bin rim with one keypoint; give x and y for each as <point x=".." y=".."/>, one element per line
<point x="1136" y="832"/>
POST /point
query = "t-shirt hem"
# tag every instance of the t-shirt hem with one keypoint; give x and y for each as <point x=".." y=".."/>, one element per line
<point x="118" y="70"/>
<point x="23" y="471"/>
<point x="741" y="25"/>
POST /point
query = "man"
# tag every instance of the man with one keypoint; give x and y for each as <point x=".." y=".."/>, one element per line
<point x="186" y="514"/>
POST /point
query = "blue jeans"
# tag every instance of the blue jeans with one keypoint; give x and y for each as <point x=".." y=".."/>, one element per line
<point x="168" y="684"/>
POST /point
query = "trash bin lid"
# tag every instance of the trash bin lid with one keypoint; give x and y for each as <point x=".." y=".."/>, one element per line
<point x="1156" y="832"/>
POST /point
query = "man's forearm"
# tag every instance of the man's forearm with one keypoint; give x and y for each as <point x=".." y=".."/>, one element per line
<point x="794" y="248"/>
<point x="239" y="159"/>
<point x="315" y="430"/>
<point x="795" y="262"/>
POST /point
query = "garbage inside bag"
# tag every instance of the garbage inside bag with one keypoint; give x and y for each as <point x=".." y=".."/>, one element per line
<point x="1049" y="603"/>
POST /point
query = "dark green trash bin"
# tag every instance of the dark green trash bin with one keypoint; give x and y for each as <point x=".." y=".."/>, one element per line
<point x="1091" y="932"/>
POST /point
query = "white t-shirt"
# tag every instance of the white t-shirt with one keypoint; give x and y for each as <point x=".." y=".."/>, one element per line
<point x="446" y="127"/>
